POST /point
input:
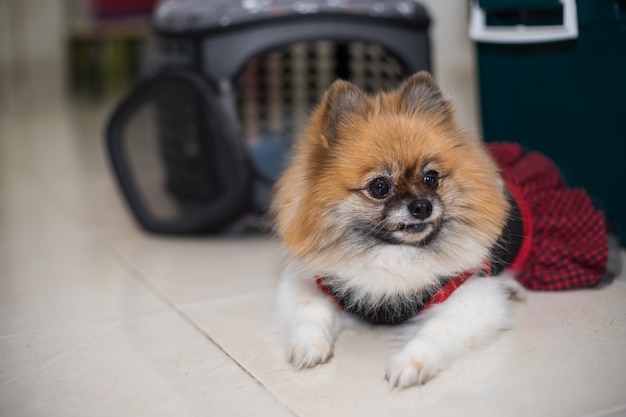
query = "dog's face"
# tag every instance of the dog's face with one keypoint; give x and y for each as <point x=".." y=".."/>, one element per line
<point x="394" y="169"/>
<point x="395" y="196"/>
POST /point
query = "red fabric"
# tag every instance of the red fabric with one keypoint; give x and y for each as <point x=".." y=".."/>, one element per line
<point x="439" y="297"/>
<point x="565" y="244"/>
<point x="121" y="7"/>
<point x="454" y="283"/>
<point x="321" y="284"/>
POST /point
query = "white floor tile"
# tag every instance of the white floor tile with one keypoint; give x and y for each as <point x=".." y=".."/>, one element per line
<point x="621" y="279"/>
<point x="35" y="223"/>
<point x="188" y="269"/>
<point x="68" y="284"/>
<point x="564" y="358"/>
<point x="151" y="365"/>
<point x="96" y="199"/>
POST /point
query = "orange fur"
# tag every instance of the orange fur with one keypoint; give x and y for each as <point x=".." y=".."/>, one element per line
<point x="352" y="136"/>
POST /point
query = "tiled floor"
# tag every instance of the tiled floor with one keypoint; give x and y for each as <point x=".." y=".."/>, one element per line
<point x="98" y="318"/>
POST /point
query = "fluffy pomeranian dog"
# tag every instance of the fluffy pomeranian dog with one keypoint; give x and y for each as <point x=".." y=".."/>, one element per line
<point x="387" y="206"/>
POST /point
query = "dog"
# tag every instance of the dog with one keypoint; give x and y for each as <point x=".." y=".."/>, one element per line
<point x="392" y="212"/>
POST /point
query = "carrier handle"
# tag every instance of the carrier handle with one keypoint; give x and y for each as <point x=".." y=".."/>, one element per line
<point x="519" y="34"/>
<point x="232" y="162"/>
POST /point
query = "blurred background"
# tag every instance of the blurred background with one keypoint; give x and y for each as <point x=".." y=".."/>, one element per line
<point x="564" y="96"/>
<point x="89" y="54"/>
<point x="96" y="47"/>
<point x="90" y="48"/>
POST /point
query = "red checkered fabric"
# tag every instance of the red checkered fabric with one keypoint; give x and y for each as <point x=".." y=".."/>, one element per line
<point x="566" y="235"/>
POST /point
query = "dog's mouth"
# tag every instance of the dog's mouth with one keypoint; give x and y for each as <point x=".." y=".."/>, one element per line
<point x="413" y="228"/>
<point x="416" y="234"/>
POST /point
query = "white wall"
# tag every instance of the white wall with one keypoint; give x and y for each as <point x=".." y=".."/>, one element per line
<point x="31" y="31"/>
<point x="454" y="57"/>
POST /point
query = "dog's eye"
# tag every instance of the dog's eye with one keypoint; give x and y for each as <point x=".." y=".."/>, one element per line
<point x="379" y="187"/>
<point x="431" y="179"/>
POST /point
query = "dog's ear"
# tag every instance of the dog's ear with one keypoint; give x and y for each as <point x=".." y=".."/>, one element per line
<point x="420" y="94"/>
<point x="343" y="102"/>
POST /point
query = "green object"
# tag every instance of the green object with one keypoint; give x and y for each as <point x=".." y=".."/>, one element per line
<point x="491" y="5"/>
<point x="566" y="99"/>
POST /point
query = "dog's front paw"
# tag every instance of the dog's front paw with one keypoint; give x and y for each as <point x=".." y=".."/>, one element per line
<point x="410" y="368"/>
<point x="309" y="346"/>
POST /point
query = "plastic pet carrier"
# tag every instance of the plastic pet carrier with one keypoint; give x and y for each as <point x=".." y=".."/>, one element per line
<point x="198" y="144"/>
<point x="552" y="77"/>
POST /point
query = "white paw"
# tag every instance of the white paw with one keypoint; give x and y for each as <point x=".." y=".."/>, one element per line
<point x="309" y="346"/>
<point x="409" y="368"/>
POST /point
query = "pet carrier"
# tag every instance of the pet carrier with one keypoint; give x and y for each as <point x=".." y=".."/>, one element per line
<point x="551" y="77"/>
<point x="198" y="144"/>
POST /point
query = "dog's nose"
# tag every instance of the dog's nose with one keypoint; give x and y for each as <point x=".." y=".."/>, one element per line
<point x="421" y="209"/>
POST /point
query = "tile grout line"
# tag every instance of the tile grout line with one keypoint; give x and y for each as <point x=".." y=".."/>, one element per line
<point x="138" y="275"/>
<point x="127" y="265"/>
